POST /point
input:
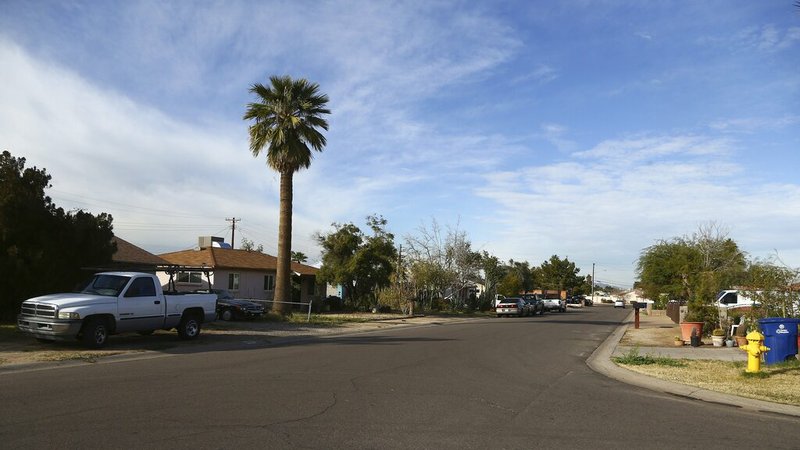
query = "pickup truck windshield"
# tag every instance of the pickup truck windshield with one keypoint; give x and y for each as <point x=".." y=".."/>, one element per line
<point x="110" y="285"/>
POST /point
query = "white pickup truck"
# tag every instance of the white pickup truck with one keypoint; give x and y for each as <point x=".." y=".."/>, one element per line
<point x="555" y="304"/>
<point x="115" y="302"/>
<point x="733" y="298"/>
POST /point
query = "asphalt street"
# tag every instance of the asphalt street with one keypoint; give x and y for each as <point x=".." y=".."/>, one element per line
<point x="488" y="383"/>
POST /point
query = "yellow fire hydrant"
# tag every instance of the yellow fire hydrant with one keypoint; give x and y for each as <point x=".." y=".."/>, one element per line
<point x="754" y="348"/>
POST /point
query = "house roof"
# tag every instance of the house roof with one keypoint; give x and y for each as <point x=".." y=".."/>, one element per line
<point x="227" y="258"/>
<point x="128" y="253"/>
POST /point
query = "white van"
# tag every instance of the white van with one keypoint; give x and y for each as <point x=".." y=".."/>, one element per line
<point x="733" y="298"/>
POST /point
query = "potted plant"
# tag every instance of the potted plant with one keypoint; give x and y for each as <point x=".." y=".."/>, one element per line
<point x="718" y="337"/>
<point x="739" y="336"/>
<point x="694" y="321"/>
<point x="677" y="342"/>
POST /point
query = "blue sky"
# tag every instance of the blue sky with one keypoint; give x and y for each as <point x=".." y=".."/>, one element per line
<point x="586" y="129"/>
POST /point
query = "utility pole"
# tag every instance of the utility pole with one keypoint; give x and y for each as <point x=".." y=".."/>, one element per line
<point x="233" y="221"/>
<point x="593" y="283"/>
<point x="400" y="271"/>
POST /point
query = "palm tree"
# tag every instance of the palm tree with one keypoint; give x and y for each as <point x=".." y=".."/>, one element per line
<point x="299" y="257"/>
<point x="288" y="116"/>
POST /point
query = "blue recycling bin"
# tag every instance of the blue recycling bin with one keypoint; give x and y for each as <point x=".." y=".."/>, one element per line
<point x="780" y="335"/>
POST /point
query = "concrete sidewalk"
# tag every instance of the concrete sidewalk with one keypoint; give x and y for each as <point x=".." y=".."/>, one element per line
<point x="655" y="337"/>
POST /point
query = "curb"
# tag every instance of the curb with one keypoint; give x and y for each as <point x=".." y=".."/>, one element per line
<point x="600" y="362"/>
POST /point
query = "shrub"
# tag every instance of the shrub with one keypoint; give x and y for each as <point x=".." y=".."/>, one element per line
<point x="633" y="358"/>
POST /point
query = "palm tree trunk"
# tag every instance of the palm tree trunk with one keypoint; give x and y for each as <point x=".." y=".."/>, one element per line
<point x="283" y="277"/>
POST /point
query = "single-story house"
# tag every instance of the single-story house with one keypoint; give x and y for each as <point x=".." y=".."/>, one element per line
<point x="636" y="295"/>
<point x="548" y="293"/>
<point x="129" y="257"/>
<point x="245" y="273"/>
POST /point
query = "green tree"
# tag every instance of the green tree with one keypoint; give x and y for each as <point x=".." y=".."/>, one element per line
<point x="510" y="285"/>
<point x="774" y="286"/>
<point x="527" y="275"/>
<point x="250" y="246"/>
<point x="43" y="248"/>
<point x="493" y="272"/>
<point x="361" y="263"/>
<point x="560" y="274"/>
<point x="692" y="268"/>
<point x="287" y="119"/>
<point x="668" y="267"/>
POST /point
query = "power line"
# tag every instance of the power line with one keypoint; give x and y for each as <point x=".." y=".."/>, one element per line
<point x="105" y="203"/>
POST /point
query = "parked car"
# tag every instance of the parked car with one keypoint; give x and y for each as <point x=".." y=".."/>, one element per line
<point x="534" y="303"/>
<point x="231" y="308"/>
<point x="587" y="301"/>
<point x="333" y="303"/>
<point x="576" y="301"/>
<point x="511" y="306"/>
<point x="619" y="303"/>
<point x="555" y="304"/>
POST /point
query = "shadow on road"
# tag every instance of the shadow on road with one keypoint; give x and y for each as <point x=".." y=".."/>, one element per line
<point x="168" y="343"/>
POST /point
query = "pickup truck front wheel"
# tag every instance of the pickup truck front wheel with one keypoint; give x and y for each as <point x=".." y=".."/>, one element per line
<point x="189" y="328"/>
<point x="95" y="333"/>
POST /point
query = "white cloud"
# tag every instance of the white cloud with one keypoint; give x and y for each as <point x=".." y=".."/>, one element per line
<point x="541" y="74"/>
<point x="554" y="133"/>
<point x="767" y="38"/>
<point x="754" y="124"/>
<point x="646" y="148"/>
<point x="439" y="111"/>
<point x="610" y="202"/>
<point x="104" y="148"/>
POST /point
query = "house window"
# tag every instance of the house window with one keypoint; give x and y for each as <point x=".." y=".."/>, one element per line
<point x="190" y="277"/>
<point x="269" y="282"/>
<point x="233" y="281"/>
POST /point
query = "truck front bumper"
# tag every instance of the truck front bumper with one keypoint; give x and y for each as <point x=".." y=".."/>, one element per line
<point x="60" y="330"/>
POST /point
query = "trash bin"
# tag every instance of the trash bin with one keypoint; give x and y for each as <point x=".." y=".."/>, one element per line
<point x="780" y="335"/>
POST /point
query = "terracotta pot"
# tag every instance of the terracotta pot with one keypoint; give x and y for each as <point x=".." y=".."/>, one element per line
<point x="741" y="341"/>
<point x="677" y="343"/>
<point x="686" y="329"/>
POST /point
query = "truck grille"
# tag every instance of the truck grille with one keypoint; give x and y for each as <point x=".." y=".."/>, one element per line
<point x="38" y="310"/>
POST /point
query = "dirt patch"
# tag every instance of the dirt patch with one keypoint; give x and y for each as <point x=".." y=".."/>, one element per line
<point x="655" y="336"/>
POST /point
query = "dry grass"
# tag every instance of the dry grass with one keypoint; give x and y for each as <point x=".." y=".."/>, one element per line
<point x="74" y="355"/>
<point x="778" y="383"/>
